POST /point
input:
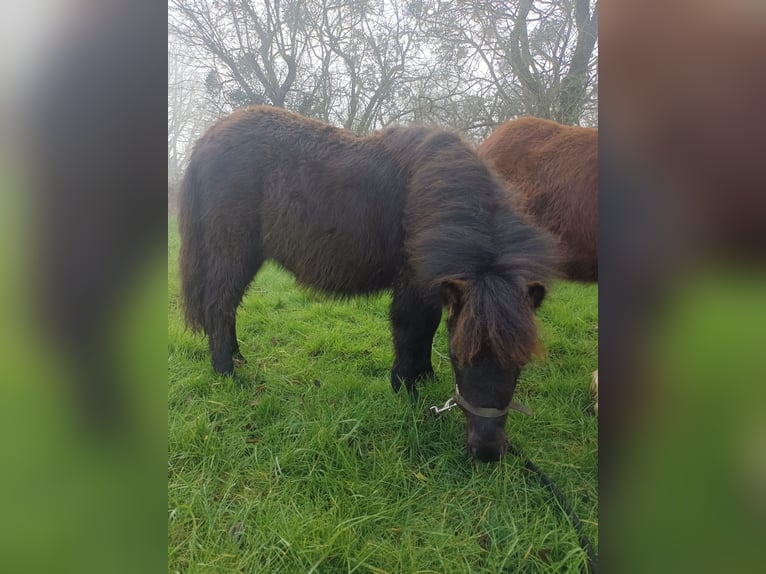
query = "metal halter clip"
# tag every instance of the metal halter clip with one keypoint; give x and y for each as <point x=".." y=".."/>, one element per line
<point x="437" y="410"/>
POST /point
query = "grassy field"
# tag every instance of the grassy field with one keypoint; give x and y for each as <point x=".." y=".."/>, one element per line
<point x="312" y="464"/>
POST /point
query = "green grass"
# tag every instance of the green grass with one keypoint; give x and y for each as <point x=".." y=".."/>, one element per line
<point x="312" y="464"/>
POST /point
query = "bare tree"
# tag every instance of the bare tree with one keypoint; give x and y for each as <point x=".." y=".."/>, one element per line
<point x="363" y="64"/>
<point x="534" y="57"/>
<point x="189" y="112"/>
<point x="574" y="86"/>
<point x="254" y="50"/>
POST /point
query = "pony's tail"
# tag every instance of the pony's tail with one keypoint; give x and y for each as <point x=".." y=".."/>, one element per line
<point x="192" y="260"/>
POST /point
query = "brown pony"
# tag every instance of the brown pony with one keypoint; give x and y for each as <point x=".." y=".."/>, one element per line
<point x="552" y="171"/>
<point x="408" y="208"/>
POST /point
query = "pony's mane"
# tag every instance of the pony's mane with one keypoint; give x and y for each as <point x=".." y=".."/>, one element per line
<point x="461" y="227"/>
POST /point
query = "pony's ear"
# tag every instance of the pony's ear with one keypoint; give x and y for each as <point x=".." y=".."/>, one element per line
<point x="452" y="290"/>
<point x="536" y="292"/>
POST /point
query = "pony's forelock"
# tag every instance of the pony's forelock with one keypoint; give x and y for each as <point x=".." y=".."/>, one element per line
<point x="496" y="315"/>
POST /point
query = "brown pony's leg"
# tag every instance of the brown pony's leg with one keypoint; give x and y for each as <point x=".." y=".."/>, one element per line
<point x="414" y="320"/>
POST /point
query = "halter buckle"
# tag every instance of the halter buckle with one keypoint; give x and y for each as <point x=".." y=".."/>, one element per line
<point x="450" y="404"/>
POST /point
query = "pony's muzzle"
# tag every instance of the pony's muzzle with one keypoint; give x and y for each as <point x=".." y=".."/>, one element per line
<point x="488" y="442"/>
<point x="489" y="452"/>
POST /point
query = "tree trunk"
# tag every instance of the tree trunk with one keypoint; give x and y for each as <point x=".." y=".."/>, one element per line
<point x="573" y="86"/>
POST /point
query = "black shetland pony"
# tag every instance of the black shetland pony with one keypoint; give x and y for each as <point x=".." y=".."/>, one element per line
<point x="408" y="208"/>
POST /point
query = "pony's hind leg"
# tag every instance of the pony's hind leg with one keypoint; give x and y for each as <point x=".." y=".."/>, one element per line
<point x="222" y="331"/>
<point x="222" y="341"/>
<point x="225" y="295"/>
<point x="414" y="320"/>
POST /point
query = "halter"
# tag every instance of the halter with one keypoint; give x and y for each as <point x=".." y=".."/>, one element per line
<point x="484" y="412"/>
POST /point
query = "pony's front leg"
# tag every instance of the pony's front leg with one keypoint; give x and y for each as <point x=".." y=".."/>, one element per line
<point x="414" y="320"/>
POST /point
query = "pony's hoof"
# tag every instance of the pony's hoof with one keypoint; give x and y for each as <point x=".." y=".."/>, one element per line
<point x="426" y="376"/>
<point x="238" y="358"/>
<point x="396" y="384"/>
<point x="224" y="370"/>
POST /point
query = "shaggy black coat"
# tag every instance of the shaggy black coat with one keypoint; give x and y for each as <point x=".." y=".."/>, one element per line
<point x="408" y="208"/>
